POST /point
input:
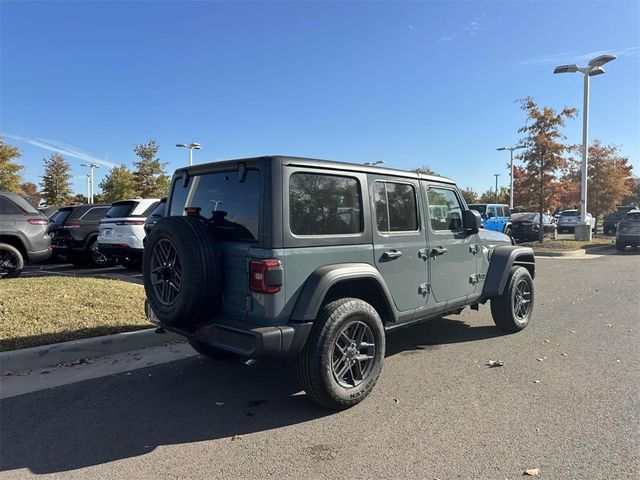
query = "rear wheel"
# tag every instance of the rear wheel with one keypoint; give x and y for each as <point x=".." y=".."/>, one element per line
<point x="11" y="261"/>
<point x="342" y="359"/>
<point x="512" y="310"/>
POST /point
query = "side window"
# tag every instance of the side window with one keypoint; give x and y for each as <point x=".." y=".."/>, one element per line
<point x="445" y="205"/>
<point x="94" y="214"/>
<point x="395" y="207"/>
<point x="7" y="207"/>
<point x="491" y="212"/>
<point x="500" y="211"/>
<point x="322" y="204"/>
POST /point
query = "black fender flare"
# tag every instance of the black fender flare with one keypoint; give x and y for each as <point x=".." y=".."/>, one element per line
<point x="502" y="259"/>
<point x="323" y="278"/>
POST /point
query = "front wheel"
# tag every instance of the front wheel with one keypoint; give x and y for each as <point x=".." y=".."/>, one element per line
<point x="342" y="359"/>
<point x="11" y="261"/>
<point x="511" y="311"/>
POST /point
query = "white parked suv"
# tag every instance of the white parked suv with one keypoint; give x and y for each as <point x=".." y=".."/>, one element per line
<point x="122" y="230"/>
<point x="570" y="218"/>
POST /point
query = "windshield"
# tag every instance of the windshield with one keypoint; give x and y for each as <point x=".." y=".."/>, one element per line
<point x="479" y="208"/>
<point x="570" y="213"/>
<point x="232" y="207"/>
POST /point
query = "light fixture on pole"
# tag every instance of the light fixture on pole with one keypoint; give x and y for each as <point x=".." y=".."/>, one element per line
<point x="373" y="164"/>
<point x="191" y="147"/>
<point x="511" y="149"/>
<point x="91" y="167"/>
<point x="88" y="187"/>
<point x="593" y="68"/>
<point x="496" y="195"/>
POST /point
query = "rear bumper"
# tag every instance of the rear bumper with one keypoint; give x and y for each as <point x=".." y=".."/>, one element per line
<point x="631" y="240"/>
<point x="115" y="250"/>
<point x="245" y="339"/>
<point x="40" y="256"/>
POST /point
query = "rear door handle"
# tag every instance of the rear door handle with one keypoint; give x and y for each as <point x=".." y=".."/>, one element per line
<point x="438" y="251"/>
<point x="392" y="254"/>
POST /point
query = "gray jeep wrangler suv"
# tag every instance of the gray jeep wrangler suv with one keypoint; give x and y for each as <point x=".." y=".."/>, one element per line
<point x="294" y="256"/>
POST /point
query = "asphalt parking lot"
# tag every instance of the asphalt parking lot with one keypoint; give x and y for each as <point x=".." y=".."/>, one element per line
<point x="116" y="272"/>
<point x="566" y="401"/>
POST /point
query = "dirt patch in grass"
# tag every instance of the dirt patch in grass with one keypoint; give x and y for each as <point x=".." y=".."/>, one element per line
<point x="567" y="245"/>
<point x="39" y="311"/>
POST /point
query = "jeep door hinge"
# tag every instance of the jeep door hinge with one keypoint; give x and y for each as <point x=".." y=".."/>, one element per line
<point x="424" y="288"/>
<point x="422" y="253"/>
<point x="473" y="279"/>
<point x="474" y="248"/>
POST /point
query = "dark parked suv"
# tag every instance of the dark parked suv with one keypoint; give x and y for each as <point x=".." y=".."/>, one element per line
<point x="74" y="234"/>
<point x="23" y="234"/>
<point x="294" y="256"/>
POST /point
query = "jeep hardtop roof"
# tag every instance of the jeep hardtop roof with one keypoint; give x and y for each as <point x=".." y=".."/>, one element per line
<point x="312" y="163"/>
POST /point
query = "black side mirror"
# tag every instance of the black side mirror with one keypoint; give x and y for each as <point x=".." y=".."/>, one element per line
<point x="471" y="221"/>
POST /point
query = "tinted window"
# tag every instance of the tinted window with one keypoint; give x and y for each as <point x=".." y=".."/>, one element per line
<point x="450" y="211"/>
<point x="150" y="209"/>
<point x="94" y="214"/>
<point x="324" y="204"/>
<point x="395" y="207"/>
<point x="232" y="207"/>
<point x="120" y="209"/>
<point x="60" y="216"/>
<point x="159" y="210"/>
<point x="7" y="207"/>
<point x="634" y="216"/>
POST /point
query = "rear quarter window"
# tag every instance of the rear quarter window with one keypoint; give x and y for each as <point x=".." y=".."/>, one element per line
<point x="322" y="204"/>
<point x="121" y="209"/>
<point x="94" y="214"/>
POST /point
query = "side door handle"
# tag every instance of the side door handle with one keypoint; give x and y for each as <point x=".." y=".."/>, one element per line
<point x="392" y="254"/>
<point x="438" y="251"/>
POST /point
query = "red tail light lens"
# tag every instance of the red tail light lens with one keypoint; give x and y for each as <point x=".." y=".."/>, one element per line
<point x="265" y="276"/>
<point x="38" y="221"/>
<point x="131" y="222"/>
<point x="624" y="225"/>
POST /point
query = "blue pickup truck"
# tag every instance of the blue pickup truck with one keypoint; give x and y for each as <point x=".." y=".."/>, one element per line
<point x="495" y="216"/>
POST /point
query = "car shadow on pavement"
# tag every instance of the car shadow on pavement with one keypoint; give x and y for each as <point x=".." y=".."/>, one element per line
<point x="190" y="400"/>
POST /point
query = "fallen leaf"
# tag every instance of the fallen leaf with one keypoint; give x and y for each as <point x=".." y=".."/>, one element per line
<point x="495" y="363"/>
<point x="536" y="381"/>
<point x="609" y="325"/>
<point x="563" y="354"/>
<point x="540" y="359"/>
<point x="573" y="331"/>
<point x="546" y="341"/>
<point x="396" y="400"/>
<point x="532" y="472"/>
<point x="236" y="437"/>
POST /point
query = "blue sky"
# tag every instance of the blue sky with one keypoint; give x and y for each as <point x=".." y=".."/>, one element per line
<point x="410" y="83"/>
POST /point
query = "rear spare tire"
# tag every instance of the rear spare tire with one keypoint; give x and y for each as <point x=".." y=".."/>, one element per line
<point x="181" y="271"/>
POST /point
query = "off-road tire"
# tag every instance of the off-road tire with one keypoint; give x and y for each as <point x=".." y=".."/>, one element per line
<point x="14" y="255"/>
<point x="506" y="311"/>
<point x="199" y="263"/>
<point x="620" y="246"/>
<point x="315" y="363"/>
<point x="210" y="351"/>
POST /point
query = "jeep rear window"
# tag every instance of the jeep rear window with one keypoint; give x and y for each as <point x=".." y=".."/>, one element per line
<point x="232" y="207"/>
<point x="60" y="216"/>
<point x="121" y="209"/>
<point x="322" y="204"/>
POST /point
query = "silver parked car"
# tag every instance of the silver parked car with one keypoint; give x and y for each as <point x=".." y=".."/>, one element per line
<point x="570" y="218"/>
<point x="628" y="231"/>
<point x="23" y="234"/>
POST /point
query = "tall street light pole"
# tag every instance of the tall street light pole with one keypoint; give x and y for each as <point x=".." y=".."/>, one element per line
<point x="191" y="147"/>
<point x="511" y="149"/>
<point x="91" y="167"/>
<point x="593" y="68"/>
<point x="495" y="198"/>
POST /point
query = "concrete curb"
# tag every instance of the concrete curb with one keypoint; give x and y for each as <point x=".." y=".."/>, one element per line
<point x="573" y="253"/>
<point x="47" y="355"/>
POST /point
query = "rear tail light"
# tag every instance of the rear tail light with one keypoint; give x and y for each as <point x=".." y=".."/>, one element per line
<point x="131" y="222"/>
<point x="265" y="276"/>
<point x="38" y="221"/>
<point x="624" y="225"/>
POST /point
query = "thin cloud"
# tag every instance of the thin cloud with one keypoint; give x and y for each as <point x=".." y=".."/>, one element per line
<point x="62" y="149"/>
<point x="447" y="38"/>
<point x="474" y="27"/>
<point x="572" y="57"/>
